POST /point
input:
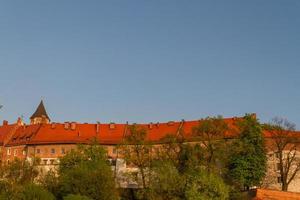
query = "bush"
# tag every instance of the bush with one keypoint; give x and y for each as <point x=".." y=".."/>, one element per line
<point x="76" y="197"/>
<point x="202" y="185"/>
<point x="35" y="192"/>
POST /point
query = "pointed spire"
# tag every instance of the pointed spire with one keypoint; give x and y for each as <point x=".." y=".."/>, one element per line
<point x="40" y="112"/>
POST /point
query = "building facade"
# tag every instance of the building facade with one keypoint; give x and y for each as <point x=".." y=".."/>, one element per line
<point x="49" y="141"/>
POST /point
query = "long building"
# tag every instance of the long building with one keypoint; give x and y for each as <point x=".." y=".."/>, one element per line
<point x="50" y="140"/>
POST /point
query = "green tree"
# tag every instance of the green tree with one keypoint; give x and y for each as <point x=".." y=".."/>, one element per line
<point x="20" y="171"/>
<point x="210" y="133"/>
<point x="9" y="191"/>
<point x="167" y="183"/>
<point x="50" y="181"/>
<point x="137" y="151"/>
<point x="85" y="171"/>
<point x="35" y="192"/>
<point x="247" y="163"/>
<point x="76" y="197"/>
<point x="203" y="185"/>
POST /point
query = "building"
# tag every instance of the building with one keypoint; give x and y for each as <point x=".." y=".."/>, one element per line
<point x="50" y="140"/>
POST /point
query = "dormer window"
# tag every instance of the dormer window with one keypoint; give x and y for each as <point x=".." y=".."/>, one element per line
<point x="171" y="123"/>
<point x="67" y="125"/>
<point x="112" y="125"/>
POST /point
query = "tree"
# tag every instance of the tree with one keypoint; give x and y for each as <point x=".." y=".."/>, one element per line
<point x="20" y="171"/>
<point x="76" y="197"/>
<point x="211" y="134"/>
<point x="285" y="144"/>
<point x="167" y="182"/>
<point x="86" y="171"/>
<point x="137" y="151"/>
<point x="247" y="163"/>
<point x="35" y="192"/>
<point x="203" y="185"/>
<point x="50" y="182"/>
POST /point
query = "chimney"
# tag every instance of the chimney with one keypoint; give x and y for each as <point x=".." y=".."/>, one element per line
<point x="150" y="125"/>
<point x="20" y="121"/>
<point x="5" y="122"/>
<point x="97" y="127"/>
<point x="53" y="125"/>
<point x="73" y="126"/>
<point x="66" y="125"/>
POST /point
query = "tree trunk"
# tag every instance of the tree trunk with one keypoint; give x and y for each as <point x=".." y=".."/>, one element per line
<point x="284" y="187"/>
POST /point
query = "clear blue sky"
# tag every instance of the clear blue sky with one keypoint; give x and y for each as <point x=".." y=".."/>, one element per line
<point x="142" y="61"/>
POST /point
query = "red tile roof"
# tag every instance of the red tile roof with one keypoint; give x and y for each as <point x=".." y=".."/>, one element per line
<point x="58" y="133"/>
<point x="5" y="131"/>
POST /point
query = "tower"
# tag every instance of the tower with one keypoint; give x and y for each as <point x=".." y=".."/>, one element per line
<point x="40" y="116"/>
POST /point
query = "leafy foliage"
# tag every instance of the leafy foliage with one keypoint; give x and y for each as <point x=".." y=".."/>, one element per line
<point x="137" y="151"/>
<point x="35" y="192"/>
<point x="210" y="133"/>
<point x="247" y="165"/>
<point x="202" y="185"/>
<point x="76" y="197"/>
<point x="85" y="171"/>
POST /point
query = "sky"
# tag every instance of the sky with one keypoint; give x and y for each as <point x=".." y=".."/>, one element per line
<point x="150" y="61"/>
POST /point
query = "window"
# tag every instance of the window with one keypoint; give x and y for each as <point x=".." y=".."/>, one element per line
<point x="270" y="155"/>
<point x="279" y="180"/>
<point x="278" y="166"/>
<point x="7" y="161"/>
<point x="8" y="151"/>
<point x="114" y="150"/>
<point x="24" y="152"/>
<point x="45" y="162"/>
<point x="52" y="151"/>
<point x="52" y="161"/>
<point x="63" y="151"/>
<point x="15" y="152"/>
<point x="277" y="154"/>
<point x="113" y="162"/>
<point x="38" y="151"/>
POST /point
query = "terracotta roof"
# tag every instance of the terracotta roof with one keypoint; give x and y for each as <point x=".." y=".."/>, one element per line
<point x="5" y="131"/>
<point x="105" y="133"/>
<point x="275" y="195"/>
<point x="62" y="133"/>
<point x="40" y="111"/>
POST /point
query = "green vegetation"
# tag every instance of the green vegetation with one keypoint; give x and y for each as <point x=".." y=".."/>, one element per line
<point x="214" y="167"/>
<point x="247" y="164"/>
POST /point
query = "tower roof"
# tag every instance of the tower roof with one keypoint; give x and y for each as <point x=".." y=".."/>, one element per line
<point x="40" y="111"/>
